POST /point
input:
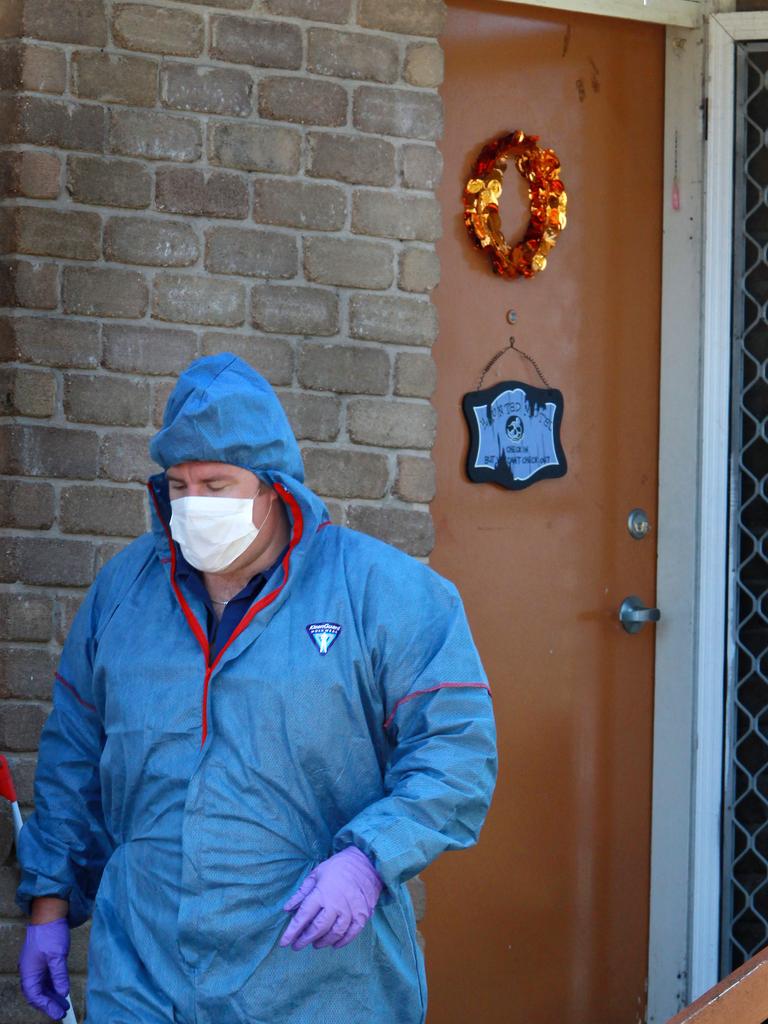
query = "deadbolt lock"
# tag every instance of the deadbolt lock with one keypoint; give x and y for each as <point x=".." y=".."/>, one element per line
<point x="633" y="614"/>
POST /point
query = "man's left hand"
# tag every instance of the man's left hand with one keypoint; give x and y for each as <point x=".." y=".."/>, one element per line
<point x="334" y="902"/>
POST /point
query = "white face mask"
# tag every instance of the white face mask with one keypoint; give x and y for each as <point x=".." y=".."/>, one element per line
<point x="213" y="532"/>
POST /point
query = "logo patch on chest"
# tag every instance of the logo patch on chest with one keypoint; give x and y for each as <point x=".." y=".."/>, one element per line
<point x="323" y="635"/>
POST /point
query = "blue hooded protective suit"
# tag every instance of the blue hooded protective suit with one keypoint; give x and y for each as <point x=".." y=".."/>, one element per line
<point x="181" y="800"/>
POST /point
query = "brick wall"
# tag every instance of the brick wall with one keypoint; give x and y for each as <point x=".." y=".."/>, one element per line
<point x="182" y="178"/>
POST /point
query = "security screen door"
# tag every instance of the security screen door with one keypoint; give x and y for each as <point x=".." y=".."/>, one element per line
<point x="745" y="819"/>
<point x="547" y="919"/>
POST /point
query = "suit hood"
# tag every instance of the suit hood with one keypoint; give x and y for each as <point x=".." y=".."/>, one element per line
<point x="222" y="410"/>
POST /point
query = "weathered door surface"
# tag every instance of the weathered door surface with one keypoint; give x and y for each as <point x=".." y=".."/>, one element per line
<point x="547" y="920"/>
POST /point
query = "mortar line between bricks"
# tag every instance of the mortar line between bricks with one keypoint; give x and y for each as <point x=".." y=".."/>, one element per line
<point x="256" y="16"/>
<point x="68" y="205"/>
<point x="60" y="482"/>
<point x="149" y="272"/>
<point x="137" y="485"/>
<point x="101" y="482"/>
<point x="58" y="411"/>
<point x="187" y="269"/>
<point x="205" y="165"/>
<point x="383" y="399"/>
<point x="100" y="372"/>
<point x="257" y="75"/>
<point x="109" y="11"/>
<point x="204" y="119"/>
<point x="258" y="72"/>
<point x="343" y="436"/>
<point x="65" y="422"/>
<point x="52" y="590"/>
<point x="342" y="339"/>
<point x="147" y="430"/>
<point x="36" y="701"/>
<point x="352" y="27"/>
<point x="392" y="472"/>
<point x="56" y="533"/>
<point x="41" y="646"/>
<point x="348" y="449"/>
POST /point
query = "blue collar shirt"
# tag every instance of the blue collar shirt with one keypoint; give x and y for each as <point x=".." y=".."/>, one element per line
<point x="219" y="631"/>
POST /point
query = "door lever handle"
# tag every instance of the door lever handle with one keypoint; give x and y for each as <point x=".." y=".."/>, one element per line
<point x="633" y="614"/>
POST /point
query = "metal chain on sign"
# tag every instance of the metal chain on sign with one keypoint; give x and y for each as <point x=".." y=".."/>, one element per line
<point x="500" y="353"/>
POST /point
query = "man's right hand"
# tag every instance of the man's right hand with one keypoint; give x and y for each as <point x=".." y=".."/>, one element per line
<point x="43" y="967"/>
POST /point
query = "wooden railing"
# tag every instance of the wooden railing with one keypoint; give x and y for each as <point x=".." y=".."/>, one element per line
<point x="741" y="998"/>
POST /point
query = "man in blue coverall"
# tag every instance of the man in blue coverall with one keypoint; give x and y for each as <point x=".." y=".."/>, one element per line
<point x="263" y="725"/>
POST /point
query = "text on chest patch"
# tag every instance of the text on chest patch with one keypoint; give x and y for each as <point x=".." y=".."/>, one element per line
<point x="323" y="635"/>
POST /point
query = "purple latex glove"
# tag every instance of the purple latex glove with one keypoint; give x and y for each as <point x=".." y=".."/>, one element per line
<point x="334" y="901"/>
<point x="43" y="967"/>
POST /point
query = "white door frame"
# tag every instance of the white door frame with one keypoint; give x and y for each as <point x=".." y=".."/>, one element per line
<point x="678" y="529"/>
<point x="686" y="13"/>
<point x="706" y="877"/>
<point x="693" y="517"/>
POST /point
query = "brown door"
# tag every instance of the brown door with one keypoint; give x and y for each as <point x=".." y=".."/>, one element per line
<point x="546" y="921"/>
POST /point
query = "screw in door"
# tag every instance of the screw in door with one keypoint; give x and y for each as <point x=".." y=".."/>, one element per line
<point x="638" y="524"/>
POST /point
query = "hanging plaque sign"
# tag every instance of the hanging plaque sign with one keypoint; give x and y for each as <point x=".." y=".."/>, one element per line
<point x="514" y="434"/>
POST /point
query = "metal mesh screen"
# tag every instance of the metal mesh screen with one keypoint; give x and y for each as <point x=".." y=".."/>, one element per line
<point x="745" y="846"/>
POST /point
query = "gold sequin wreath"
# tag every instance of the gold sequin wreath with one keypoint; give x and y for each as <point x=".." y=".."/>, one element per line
<point x="541" y="169"/>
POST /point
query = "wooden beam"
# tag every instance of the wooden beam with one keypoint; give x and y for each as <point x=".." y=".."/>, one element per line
<point x="741" y="998"/>
<point x="683" y="13"/>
